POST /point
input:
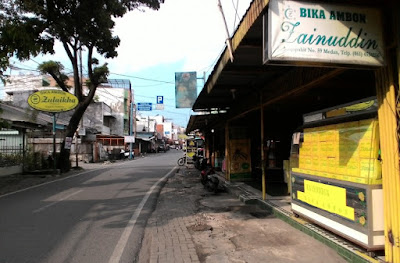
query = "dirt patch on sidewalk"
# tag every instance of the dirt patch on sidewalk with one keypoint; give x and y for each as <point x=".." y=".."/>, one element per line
<point x="227" y="230"/>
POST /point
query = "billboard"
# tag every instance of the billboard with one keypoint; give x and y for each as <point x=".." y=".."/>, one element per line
<point x="185" y="89"/>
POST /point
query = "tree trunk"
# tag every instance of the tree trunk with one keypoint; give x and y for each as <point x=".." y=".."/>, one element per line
<point x="64" y="163"/>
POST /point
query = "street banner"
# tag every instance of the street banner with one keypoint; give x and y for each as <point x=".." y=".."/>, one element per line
<point x="185" y="89"/>
<point x="129" y="139"/>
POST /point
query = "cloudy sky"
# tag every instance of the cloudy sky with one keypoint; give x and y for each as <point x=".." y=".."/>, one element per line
<point x="183" y="35"/>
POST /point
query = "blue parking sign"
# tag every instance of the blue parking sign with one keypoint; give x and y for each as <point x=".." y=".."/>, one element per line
<point x="160" y="99"/>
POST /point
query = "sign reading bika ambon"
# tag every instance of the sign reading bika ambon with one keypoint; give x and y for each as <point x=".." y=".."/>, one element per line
<point x="323" y="33"/>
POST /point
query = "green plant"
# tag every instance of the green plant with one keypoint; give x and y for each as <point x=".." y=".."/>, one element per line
<point x="10" y="159"/>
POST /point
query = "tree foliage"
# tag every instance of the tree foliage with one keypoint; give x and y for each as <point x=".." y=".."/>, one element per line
<point x="31" y="27"/>
<point x="3" y="123"/>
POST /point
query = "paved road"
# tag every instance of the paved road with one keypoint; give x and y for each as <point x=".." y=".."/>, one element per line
<point x="94" y="216"/>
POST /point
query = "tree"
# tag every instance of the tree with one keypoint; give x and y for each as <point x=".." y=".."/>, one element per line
<point x="31" y="27"/>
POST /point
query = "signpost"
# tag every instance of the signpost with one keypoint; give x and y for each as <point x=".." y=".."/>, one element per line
<point x="160" y="103"/>
<point x="53" y="101"/>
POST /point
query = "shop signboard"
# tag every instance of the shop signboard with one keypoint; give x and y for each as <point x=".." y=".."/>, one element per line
<point x="191" y="148"/>
<point x="129" y="139"/>
<point x="354" y="211"/>
<point x="313" y="33"/>
<point x="52" y="101"/>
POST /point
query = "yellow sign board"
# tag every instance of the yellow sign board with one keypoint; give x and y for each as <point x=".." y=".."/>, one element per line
<point x="327" y="197"/>
<point x="52" y="101"/>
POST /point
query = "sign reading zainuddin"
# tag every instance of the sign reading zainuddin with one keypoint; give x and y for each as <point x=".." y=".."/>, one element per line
<point x="327" y="33"/>
<point x="52" y="101"/>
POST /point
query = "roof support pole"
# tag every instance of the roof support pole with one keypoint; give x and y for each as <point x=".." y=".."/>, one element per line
<point x="227" y="152"/>
<point x="262" y="148"/>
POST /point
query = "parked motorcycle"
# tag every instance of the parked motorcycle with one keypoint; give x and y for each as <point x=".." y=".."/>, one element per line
<point x="182" y="160"/>
<point x="209" y="179"/>
<point x="200" y="162"/>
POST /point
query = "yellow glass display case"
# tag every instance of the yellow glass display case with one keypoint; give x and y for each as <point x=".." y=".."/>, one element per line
<point x="337" y="181"/>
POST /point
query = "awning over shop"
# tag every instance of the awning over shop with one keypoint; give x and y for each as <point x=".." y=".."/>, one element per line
<point x="145" y="136"/>
<point x="204" y="121"/>
<point x="242" y="85"/>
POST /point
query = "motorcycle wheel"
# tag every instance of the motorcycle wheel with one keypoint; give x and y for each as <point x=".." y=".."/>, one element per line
<point x="181" y="161"/>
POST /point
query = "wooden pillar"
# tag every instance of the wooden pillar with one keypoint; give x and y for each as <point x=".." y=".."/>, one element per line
<point x="264" y="190"/>
<point x="227" y="152"/>
<point x="213" y="147"/>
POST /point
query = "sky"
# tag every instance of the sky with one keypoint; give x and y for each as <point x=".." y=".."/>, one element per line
<point x="183" y="35"/>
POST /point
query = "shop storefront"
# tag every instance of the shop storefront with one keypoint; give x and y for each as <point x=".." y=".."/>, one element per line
<point x="289" y="62"/>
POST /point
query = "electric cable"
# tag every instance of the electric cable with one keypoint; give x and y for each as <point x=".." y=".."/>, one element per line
<point x="236" y="13"/>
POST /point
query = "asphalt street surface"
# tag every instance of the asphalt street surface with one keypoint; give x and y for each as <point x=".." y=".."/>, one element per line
<point x="93" y="216"/>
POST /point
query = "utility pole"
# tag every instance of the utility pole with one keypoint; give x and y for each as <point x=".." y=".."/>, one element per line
<point x="54" y="144"/>
<point x="228" y="39"/>
<point x="131" y="117"/>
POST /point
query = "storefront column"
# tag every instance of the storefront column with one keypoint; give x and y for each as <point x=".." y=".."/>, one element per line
<point x="207" y="148"/>
<point x="227" y="152"/>
<point x="213" y="147"/>
<point x="390" y="158"/>
<point x="262" y="150"/>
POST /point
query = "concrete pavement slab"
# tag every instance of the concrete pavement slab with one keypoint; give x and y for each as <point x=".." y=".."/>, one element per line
<point x="190" y="224"/>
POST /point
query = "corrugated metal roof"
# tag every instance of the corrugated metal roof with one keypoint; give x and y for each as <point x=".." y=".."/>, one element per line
<point x="29" y="116"/>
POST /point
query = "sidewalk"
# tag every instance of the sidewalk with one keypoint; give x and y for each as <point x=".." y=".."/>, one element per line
<point x="281" y="208"/>
<point x="191" y="225"/>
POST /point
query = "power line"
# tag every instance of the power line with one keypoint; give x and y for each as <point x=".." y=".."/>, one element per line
<point x="150" y="97"/>
<point x="236" y="13"/>
<point x="135" y="77"/>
